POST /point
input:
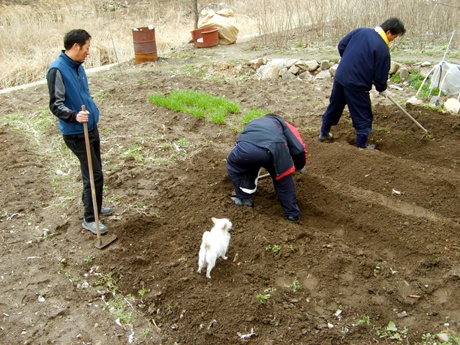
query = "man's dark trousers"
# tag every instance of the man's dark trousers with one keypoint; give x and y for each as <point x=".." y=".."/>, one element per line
<point x="78" y="146"/>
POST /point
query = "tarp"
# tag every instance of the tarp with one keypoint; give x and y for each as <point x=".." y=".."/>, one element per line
<point x="224" y="20"/>
<point x="446" y="77"/>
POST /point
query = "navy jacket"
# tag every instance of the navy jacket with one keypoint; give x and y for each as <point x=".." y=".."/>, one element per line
<point x="68" y="88"/>
<point x="280" y="138"/>
<point x="365" y="60"/>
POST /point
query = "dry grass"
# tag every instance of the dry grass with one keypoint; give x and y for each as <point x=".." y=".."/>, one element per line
<point x="31" y="32"/>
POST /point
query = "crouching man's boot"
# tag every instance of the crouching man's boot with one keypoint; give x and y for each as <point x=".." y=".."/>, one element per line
<point x="361" y="142"/>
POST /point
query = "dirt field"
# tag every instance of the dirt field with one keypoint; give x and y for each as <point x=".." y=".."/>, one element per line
<point x="378" y="241"/>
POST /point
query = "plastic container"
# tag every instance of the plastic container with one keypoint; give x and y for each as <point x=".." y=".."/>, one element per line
<point x="206" y="37"/>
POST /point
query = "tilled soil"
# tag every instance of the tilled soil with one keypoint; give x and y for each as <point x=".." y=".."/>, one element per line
<point x="377" y="242"/>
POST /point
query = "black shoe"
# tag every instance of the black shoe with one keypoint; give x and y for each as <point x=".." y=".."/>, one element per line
<point x="326" y="136"/>
<point x="106" y="211"/>
<point x="368" y="147"/>
<point x="242" y="202"/>
<point x="293" y="219"/>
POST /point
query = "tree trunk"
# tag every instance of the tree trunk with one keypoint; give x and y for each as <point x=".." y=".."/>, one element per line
<point x="196" y="14"/>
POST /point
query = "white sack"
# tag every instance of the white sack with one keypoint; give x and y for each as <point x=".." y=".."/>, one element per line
<point x="224" y="20"/>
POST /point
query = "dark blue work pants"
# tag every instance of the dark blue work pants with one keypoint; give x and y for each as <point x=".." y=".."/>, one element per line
<point x="359" y="105"/>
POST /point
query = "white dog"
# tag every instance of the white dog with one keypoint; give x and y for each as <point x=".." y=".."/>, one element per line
<point x="214" y="244"/>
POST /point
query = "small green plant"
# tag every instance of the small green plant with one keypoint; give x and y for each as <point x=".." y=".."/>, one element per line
<point x="183" y="142"/>
<point x="274" y="249"/>
<point x="263" y="298"/>
<point x="365" y="320"/>
<point x="89" y="259"/>
<point x="71" y="277"/>
<point x="101" y="95"/>
<point x="432" y="339"/>
<point x="135" y="151"/>
<point x="119" y="307"/>
<point x="415" y="80"/>
<point x="395" y="78"/>
<point x="391" y="332"/>
<point x="107" y="281"/>
<point x="143" y="291"/>
<point x="294" y="285"/>
<point x="298" y="44"/>
<point x="377" y="269"/>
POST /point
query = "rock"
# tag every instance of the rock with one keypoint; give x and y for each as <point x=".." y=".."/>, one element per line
<point x="288" y="75"/>
<point x="333" y="69"/>
<point x="414" y="101"/>
<point x="323" y="75"/>
<point x="452" y="106"/>
<point x="255" y="64"/>
<point x="311" y="65"/>
<point x="424" y="71"/>
<point x="403" y="73"/>
<point x="425" y="64"/>
<point x="436" y="101"/>
<point x="268" y="72"/>
<point x="294" y="69"/>
<point x="306" y="76"/>
<point x="444" y="337"/>
<point x="324" y="65"/>
<point x="394" y="67"/>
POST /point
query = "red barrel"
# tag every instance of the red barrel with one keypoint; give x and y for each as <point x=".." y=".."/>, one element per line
<point x="145" y="48"/>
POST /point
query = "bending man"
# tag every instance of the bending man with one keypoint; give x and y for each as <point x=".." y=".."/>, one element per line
<point x="274" y="144"/>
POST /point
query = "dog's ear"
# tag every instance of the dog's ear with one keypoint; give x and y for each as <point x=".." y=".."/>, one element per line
<point x="214" y="220"/>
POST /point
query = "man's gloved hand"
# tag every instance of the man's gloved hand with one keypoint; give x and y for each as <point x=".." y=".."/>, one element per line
<point x="303" y="169"/>
<point x="384" y="93"/>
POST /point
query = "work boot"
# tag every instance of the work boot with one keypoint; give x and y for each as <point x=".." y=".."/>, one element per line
<point x="293" y="219"/>
<point x="361" y="141"/>
<point x="91" y="226"/>
<point x="242" y="202"/>
<point x="326" y="136"/>
<point x="106" y="211"/>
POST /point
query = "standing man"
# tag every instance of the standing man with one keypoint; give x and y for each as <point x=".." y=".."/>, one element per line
<point x="274" y="144"/>
<point x="365" y="60"/>
<point x="68" y="90"/>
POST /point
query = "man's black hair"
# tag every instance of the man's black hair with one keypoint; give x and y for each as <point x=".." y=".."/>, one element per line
<point x="394" y="25"/>
<point x="78" y="36"/>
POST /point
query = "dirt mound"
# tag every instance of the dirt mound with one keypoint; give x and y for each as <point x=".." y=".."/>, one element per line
<point x="377" y="242"/>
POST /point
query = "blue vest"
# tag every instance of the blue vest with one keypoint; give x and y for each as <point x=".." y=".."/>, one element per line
<point x="76" y="94"/>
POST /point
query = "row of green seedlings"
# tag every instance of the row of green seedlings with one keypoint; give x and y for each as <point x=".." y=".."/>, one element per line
<point x="202" y="104"/>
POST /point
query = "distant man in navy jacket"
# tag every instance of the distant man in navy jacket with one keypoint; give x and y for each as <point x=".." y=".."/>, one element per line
<point x="68" y="91"/>
<point x="365" y="60"/>
<point x="274" y="144"/>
